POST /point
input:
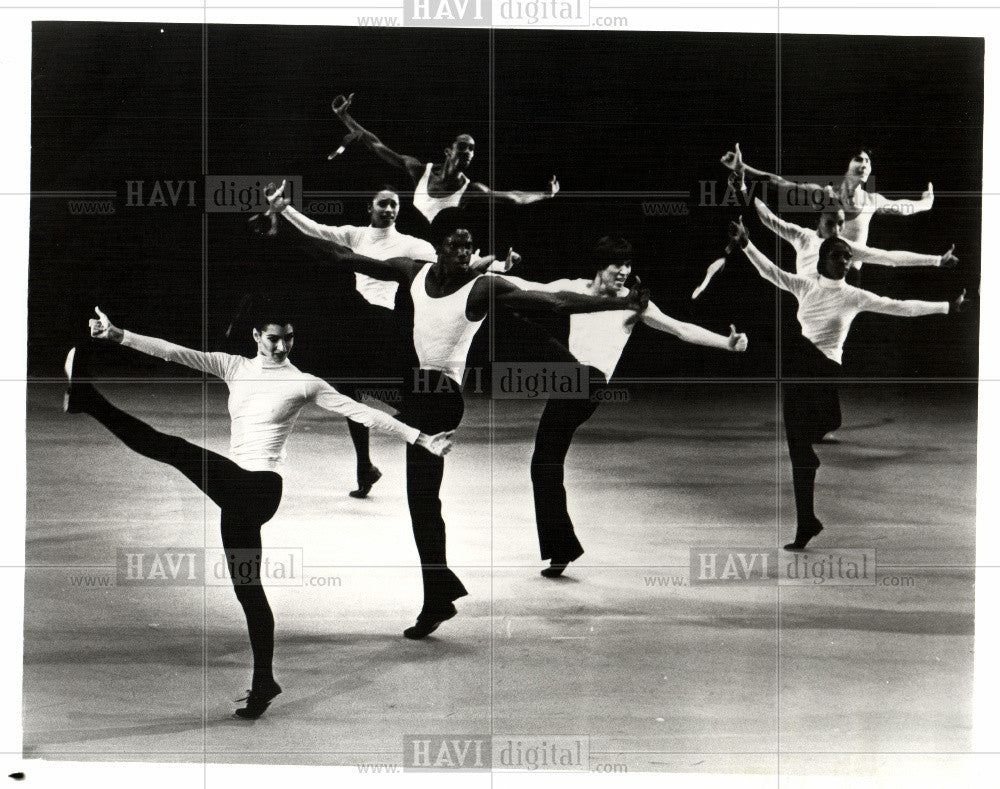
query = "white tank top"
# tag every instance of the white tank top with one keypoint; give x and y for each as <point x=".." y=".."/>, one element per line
<point x="429" y="206"/>
<point x="442" y="334"/>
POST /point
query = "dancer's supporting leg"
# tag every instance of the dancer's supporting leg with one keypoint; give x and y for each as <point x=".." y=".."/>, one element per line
<point x="556" y="538"/>
<point x="811" y="410"/>
<point x="436" y="401"/>
<point x="248" y="500"/>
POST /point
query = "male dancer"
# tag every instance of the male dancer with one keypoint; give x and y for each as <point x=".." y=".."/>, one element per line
<point x="438" y="186"/>
<point x="827" y="306"/>
<point x="850" y="194"/>
<point x="831" y="223"/>
<point x="597" y="342"/>
<point x="379" y="239"/>
<point x="450" y="302"/>
<point x="266" y="394"/>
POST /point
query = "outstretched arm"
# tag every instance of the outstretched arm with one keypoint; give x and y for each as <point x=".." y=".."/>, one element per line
<point x="783" y="279"/>
<point x="906" y="207"/>
<point x="328" y="240"/>
<point x="909" y="308"/>
<point x="689" y="332"/>
<point x="325" y="396"/>
<point x="217" y="364"/>
<point x="734" y="161"/>
<point x="900" y="258"/>
<point x="519" y="197"/>
<point x="549" y="303"/>
<point x="314" y="230"/>
<point x="787" y="230"/>
<point x="412" y="165"/>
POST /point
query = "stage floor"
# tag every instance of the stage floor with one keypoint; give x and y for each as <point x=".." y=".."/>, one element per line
<point x="627" y="652"/>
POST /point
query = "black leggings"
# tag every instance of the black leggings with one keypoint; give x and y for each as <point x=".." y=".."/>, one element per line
<point x="248" y="500"/>
<point x="558" y="423"/>
<point x="433" y="404"/>
<point x="811" y="409"/>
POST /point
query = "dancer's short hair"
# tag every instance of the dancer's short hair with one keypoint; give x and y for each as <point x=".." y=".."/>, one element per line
<point x="611" y="250"/>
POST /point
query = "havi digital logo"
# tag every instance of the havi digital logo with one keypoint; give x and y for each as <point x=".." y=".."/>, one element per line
<point x="447" y="13"/>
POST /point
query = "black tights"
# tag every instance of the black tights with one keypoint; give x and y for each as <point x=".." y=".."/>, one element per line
<point x="811" y="409"/>
<point x="434" y="405"/>
<point x="559" y="422"/>
<point x="248" y="500"/>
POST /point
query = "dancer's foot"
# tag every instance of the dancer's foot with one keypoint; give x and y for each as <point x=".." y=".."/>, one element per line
<point x="366" y="479"/>
<point x="258" y="699"/>
<point x="429" y="619"/>
<point x="73" y="399"/>
<point x="555" y="569"/>
<point x="805" y="532"/>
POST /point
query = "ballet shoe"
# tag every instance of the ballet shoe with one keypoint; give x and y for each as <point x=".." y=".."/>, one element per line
<point x="75" y="395"/>
<point x="366" y="479"/>
<point x="429" y="619"/>
<point x="258" y="700"/>
<point x="805" y="532"/>
<point x="555" y="569"/>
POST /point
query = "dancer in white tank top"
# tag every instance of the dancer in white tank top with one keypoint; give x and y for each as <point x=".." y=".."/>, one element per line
<point x="597" y="341"/>
<point x="850" y="194"/>
<point x="439" y="186"/>
<point x="450" y="302"/>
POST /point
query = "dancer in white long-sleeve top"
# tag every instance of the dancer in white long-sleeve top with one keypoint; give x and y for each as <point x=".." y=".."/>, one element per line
<point x="827" y="306"/>
<point x="596" y="341"/>
<point x="849" y="193"/>
<point x="439" y="186"/>
<point x="831" y="223"/>
<point x="266" y="393"/>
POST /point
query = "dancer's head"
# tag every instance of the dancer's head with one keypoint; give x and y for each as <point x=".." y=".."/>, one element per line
<point x="384" y="207"/>
<point x="461" y="151"/>
<point x="272" y="330"/>
<point x="455" y="250"/>
<point x="612" y="263"/>
<point x="831" y="222"/>
<point x="834" y="258"/>
<point x="860" y="166"/>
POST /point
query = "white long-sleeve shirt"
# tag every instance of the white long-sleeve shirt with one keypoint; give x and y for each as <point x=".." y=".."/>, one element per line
<point x="807" y="244"/>
<point x="827" y="307"/>
<point x="380" y="243"/>
<point x="265" y="399"/>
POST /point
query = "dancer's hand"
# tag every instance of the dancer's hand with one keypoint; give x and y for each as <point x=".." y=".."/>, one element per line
<point x="512" y="260"/>
<point x="638" y="297"/>
<point x="948" y="259"/>
<point x="734" y="160"/>
<point x="928" y="193"/>
<point x="738" y="235"/>
<point x="737" y="341"/>
<point x="340" y="105"/>
<point x="960" y="303"/>
<point x="101" y="328"/>
<point x="481" y="264"/>
<point x="553" y="187"/>
<point x="439" y="444"/>
<point x="276" y="201"/>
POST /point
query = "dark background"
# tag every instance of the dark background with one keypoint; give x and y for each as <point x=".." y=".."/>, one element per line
<point x="621" y="118"/>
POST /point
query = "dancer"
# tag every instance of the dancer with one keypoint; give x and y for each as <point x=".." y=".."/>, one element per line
<point x="597" y="342"/>
<point x="850" y="194"/>
<point x="831" y="223"/>
<point x="450" y="302"/>
<point x="438" y="186"/>
<point x="827" y="306"/>
<point x="379" y="239"/>
<point x="266" y="394"/>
